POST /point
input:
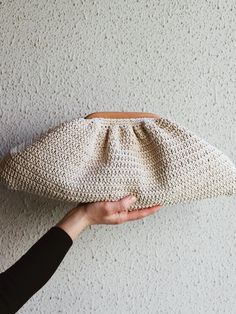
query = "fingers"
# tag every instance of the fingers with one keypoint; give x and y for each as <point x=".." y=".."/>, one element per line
<point x="116" y="212"/>
<point x="141" y="213"/>
<point x="124" y="216"/>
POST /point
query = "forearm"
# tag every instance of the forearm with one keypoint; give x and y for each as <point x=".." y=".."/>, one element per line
<point x="19" y="282"/>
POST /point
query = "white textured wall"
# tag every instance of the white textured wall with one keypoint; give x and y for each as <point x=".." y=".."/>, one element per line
<point x="64" y="59"/>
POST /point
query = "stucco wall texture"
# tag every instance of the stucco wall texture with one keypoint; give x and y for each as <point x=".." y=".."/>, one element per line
<point x="65" y="59"/>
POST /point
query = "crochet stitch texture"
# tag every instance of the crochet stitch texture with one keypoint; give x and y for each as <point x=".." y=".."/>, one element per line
<point x="100" y="159"/>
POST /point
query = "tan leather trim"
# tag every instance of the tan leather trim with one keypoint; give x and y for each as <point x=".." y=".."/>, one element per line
<point x="121" y="115"/>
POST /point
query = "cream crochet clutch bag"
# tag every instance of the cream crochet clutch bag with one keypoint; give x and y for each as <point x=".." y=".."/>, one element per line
<point x="108" y="155"/>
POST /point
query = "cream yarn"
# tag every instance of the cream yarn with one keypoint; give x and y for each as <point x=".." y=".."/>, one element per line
<point x="100" y="159"/>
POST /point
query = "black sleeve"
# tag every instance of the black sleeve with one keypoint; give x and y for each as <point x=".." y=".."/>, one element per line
<point x="24" y="278"/>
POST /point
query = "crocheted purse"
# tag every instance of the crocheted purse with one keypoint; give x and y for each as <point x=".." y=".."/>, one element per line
<point x="108" y="155"/>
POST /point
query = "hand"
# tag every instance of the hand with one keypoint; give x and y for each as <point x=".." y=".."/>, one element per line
<point x="110" y="212"/>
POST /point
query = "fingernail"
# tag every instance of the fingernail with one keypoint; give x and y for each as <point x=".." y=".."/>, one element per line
<point x="132" y="198"/>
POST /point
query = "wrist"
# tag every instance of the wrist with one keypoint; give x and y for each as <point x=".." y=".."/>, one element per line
<point x="74" y="222"/>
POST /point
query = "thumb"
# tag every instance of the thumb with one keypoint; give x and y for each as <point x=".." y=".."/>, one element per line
<point x="122" y="204"/>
